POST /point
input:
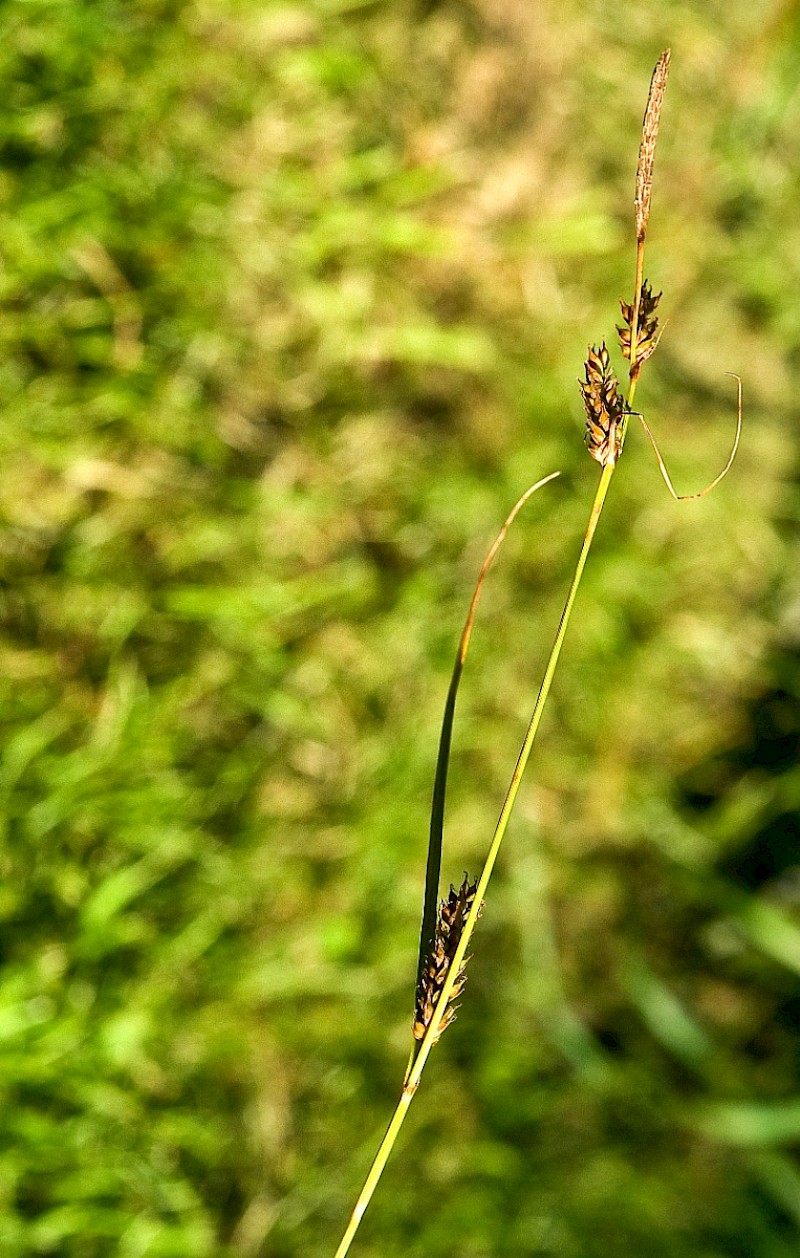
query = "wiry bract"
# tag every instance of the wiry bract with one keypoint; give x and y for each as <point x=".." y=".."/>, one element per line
<point x="647" y="324"/>
<point x="605" y="407"/>
<point x="449" y="926"/>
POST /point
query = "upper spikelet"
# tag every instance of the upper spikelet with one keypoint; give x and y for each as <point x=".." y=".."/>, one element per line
<point x="647" y="149"/>
<point x="449" y="926"/>
<point x="605" y="407"/>
<point x="647" y="324"/>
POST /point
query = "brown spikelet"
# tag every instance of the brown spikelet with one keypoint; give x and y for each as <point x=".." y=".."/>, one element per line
<point x="449" y="926"/>
<point x="647" y="325"/>
<point x="644" y="170"/>
<point x="604" y="405"/>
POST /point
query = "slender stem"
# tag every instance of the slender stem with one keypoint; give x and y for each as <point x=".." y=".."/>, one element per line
<point x="435" y="840"/>
<point x="636" y="366"/>
<point x="434" y="861"/>
<point x="432" y="1033"/>
<point x="511" y="794"/>
<point x="376" y="1170"/>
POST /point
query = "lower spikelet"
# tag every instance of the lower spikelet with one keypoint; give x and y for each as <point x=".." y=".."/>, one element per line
<point x="605" y="407"/>
<point x="449" y="926"/>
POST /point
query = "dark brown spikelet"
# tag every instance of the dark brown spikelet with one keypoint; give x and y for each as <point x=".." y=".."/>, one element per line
<point x="647" y="330"/>
<point x="604" y="404"/>
<point x="449" y="926"/>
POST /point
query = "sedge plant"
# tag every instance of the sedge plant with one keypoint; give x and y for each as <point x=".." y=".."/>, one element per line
<point x="447" y="930"/>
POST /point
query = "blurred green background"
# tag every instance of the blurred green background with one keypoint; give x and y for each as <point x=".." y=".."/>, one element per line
<point x="293" y="300"/>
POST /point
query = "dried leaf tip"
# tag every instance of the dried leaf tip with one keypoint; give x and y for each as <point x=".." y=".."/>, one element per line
<point x="449" y="927"/>
<point x="647" y="333"/>
<point x="605" y="407"/>
<point x="647" y="148"/>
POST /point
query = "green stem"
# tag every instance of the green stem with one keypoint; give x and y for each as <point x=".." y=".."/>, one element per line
<point x="436" y="838"/>
<point x="432" y="1033"/>
<point x="635" y="366"/>
<point x="376" y="1170"/>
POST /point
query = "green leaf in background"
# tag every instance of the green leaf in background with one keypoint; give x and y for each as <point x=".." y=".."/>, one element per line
<point x="293" y="299"/>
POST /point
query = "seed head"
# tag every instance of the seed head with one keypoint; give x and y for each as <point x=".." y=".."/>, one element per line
<point x="605" y="407"/>
<point x="647" y="325"/>
<point x="449" y="926"/>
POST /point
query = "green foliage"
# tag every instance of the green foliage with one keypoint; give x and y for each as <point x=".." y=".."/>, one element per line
<point x="293" y="300"/>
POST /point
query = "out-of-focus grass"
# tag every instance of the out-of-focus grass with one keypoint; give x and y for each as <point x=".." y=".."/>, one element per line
<point x="293" y="302"/>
